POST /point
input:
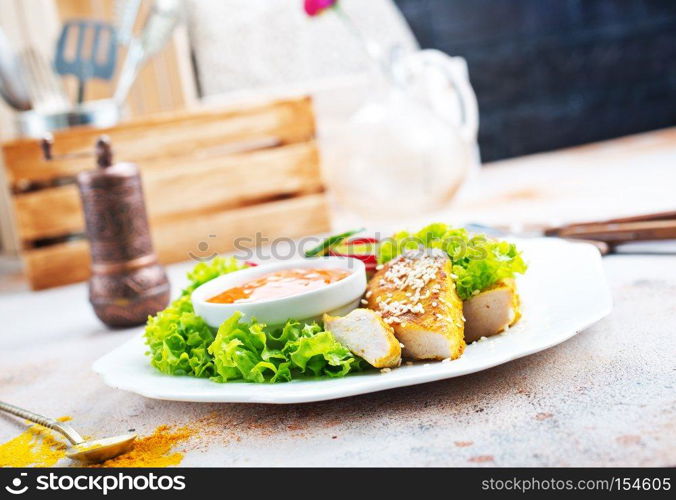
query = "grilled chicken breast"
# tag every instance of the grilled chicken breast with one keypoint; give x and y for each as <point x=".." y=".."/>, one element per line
<point x="416" y="295"/>
<point x="491" y="311"/>
<point x="364" y="332"/>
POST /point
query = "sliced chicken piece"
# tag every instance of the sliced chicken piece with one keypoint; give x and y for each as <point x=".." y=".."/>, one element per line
<point x="416" y="295"/>
<point x="491" y="311"/>
<point x="365" y="333"/>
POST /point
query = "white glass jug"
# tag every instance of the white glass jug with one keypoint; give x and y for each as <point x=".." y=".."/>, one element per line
<point x="412" y="143"/>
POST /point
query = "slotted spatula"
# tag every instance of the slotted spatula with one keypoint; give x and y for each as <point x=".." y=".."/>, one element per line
<point x="86" y="49"/>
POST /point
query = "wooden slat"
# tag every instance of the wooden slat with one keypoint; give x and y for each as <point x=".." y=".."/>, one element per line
<point x="9" y="241"/>
<point x="48" y="213"/>
<point x="57" y="265"/>
<point x="177" y="186"/>
<point x="168" y="135"/>
<point x="290" y="218"/>
<point x="175" y="240"/>
<point x="201" y="185"/>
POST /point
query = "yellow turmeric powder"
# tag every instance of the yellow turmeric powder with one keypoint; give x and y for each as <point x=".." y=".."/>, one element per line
<point x="35" y="447"/>
<point x="153" y="450"/>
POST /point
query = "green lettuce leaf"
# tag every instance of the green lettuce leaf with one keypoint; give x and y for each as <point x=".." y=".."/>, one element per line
<point x="478" y="261"/>
<point x="254" y="352"/>
<point x="181" y="343"/>
<point x="178" y="339"/>
<point x="206" y="271"/>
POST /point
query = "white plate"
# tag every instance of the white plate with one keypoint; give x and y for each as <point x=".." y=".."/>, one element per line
<point x="563" y="292"/>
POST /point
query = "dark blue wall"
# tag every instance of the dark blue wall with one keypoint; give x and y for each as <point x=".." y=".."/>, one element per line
<point x="555" y="73"/>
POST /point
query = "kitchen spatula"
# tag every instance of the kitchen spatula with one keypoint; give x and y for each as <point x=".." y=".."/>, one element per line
<point x="86" y="49"/>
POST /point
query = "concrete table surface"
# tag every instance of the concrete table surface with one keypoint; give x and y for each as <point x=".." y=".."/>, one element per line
<point x="606" y="397"/>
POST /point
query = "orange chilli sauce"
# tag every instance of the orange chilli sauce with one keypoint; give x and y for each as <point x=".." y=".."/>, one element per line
<point x="280" y="284"/>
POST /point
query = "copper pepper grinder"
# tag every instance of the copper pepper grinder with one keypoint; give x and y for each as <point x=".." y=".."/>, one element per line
<point x="127" y="283"/>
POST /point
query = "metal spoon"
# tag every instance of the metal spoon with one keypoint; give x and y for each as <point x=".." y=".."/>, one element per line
<point x="12" y="81"/>
<point x="44" y="86"/>
<point x="95" y="451"/>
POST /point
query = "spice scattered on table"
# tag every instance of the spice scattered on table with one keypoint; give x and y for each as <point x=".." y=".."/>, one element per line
<point x="35" y="447"/>
<point x="154" y="450"/>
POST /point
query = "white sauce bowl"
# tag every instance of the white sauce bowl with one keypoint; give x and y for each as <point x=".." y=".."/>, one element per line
<point x="336" y="298"/>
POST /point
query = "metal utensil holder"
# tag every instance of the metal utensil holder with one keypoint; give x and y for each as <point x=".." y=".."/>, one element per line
<point x="100" y="114"/>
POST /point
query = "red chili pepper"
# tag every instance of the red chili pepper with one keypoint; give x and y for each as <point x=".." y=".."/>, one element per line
<point x="370" y="260"/>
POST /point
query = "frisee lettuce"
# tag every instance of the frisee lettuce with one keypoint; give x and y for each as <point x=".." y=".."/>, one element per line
<point x="181" y="343"/>
<point x="478" y="261"/>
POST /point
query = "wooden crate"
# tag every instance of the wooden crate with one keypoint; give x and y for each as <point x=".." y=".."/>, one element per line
<point x="165" y="83"/>
<point x="209" y="176"/>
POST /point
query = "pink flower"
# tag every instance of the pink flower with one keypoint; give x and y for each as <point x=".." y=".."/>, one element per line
<point x="316" y="7"/>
